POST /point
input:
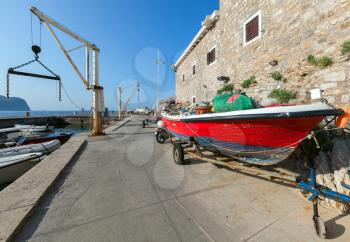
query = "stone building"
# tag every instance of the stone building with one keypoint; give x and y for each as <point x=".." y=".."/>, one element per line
<point x="255" y="38"/>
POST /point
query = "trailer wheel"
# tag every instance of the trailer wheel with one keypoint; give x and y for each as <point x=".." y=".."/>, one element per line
<point x="178" y="154"/>
<point x="320" y="227"/>
<point x="161" y="137"/>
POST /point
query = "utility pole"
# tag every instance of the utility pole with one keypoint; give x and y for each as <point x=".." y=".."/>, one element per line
<point x="120" y="102"/>
<point x="158" y="63"/>
<point x="138" y="91"/>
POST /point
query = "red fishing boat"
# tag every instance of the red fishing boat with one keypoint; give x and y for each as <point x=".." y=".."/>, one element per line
<point x="263" y="136"/>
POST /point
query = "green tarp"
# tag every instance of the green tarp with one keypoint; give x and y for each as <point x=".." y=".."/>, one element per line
<point x="232" y="102"/>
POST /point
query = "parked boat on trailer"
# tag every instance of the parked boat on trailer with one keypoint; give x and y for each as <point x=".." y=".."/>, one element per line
<point x="263" y="136"/>
<point x="12" y="167"/>
<point x="246" y="140"/>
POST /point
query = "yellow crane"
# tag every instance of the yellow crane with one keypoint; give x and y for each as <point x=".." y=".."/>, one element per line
<point x="98" y="98"/>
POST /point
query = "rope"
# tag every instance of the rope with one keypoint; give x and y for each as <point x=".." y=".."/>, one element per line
<point x="31" y="28"/>
<point x="69" y="98"/>
<point x="41" y="23"/>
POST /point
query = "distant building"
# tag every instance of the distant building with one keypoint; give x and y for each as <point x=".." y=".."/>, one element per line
<point x="255" y="38"/>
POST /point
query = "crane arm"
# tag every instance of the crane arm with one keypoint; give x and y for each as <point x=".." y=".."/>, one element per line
<point x="70" y="60"/>
<point x="46" y="19"/>
<point x="48" y="22"/>
<point x="129" y="99"/>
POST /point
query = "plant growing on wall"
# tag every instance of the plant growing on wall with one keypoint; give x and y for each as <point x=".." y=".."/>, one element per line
<point x="311" y="59"/>
<point x="227" y="88"/>
<point x="323" y="62"/>
<point x="345" y="47"/>
<point x="276" y="75"/>
<point x="248" y="82"/>
<point x="283" y="95"/>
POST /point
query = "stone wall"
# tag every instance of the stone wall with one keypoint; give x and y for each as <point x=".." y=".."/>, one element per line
<point x="291" y="29"/>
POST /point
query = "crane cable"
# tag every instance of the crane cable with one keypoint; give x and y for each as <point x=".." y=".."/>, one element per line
<point x="69" y="98"/>
<point x="31" y="30"/>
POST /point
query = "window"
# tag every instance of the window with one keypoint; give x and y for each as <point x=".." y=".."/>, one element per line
<point x="252" y="28"/>
<point x="193" y="99"/>
<point x="183" y="77"/>
<point x="211" y="56"/>
<point x="194" y="70"/>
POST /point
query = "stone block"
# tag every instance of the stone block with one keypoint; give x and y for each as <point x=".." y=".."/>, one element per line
<point x="337" y="76"/>
<point x="330" y="99"/>
<point x="345" y="99"/>
<point x="325" y="86"/>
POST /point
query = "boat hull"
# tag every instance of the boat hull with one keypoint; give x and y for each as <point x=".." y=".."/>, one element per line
<point x="44" y="148"/>
<point x="263" y="136"/>
<point x="17" y="166"/>
<point x="36" y="139"/>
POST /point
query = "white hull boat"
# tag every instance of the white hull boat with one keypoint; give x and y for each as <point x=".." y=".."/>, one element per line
<point x="32" y="128"/>
<point x="10" y="130"/>
<point x="44" y="148"/>
<point x="15" y="166"/>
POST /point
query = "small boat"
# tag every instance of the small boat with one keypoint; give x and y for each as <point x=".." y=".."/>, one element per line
<point x="10" y="130"/>
<point x="44" y="148"/>
<point x="15" y="166"/>
<point x="32" y="128"/>
<point x="40" y="138"/>
<point x="263" y="136"/>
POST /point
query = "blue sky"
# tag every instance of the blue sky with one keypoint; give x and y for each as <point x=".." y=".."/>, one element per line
<point x="128" y="32"/>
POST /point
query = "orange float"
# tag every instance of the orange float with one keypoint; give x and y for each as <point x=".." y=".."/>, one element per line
<point x="343" y="120"/>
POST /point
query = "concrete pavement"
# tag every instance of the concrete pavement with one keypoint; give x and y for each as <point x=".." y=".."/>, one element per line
<point x="126" y="187"/>
<point x="18" y="200"/>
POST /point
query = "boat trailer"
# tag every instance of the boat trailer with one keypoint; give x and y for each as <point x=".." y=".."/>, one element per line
<point x="269" y="173"/>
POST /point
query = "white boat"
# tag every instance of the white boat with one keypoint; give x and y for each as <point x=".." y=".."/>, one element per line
<point x="15" y="166"/>
<point x="44" y="148"/>
<point x="10" y="130"/>
<point x="32" y="128"/>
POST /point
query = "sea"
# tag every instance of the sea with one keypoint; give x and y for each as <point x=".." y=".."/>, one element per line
<point x="74" y="128"/>
<point x="14" y="114"/>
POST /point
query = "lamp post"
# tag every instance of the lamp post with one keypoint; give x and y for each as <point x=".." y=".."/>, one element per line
<point x="158" y="63"/>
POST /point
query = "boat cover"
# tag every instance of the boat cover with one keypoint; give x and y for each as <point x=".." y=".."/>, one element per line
<point x="232" y="102"/>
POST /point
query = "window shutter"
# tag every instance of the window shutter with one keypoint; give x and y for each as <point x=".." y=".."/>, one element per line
<point x="252" y="29"/>
<point x="211" y="56"/>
